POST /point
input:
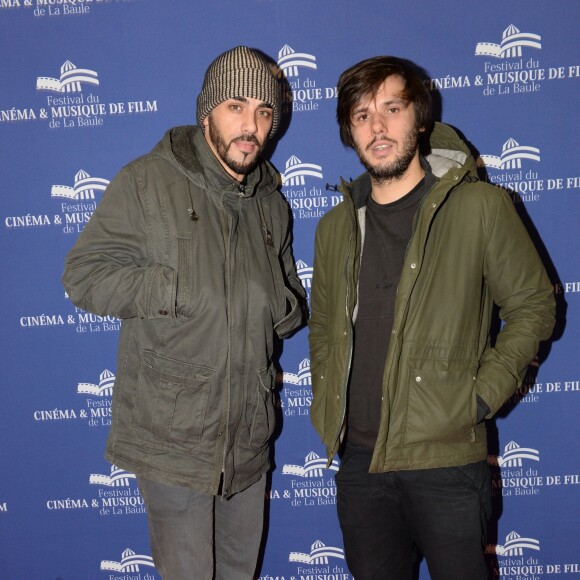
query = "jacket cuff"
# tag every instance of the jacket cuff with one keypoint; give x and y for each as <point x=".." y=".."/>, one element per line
<point x="162" y="293"/>
<point x="293" y="319"/>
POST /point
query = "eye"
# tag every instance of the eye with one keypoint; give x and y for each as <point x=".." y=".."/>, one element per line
<point x="266" y="113"/>
<point x="393" y="109"/>
<point x="361" y="118"/>
<point x="235" y="107"/>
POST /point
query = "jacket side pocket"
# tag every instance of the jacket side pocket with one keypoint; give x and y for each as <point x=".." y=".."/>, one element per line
<point x="441" y="403"/>
<point x="171" y="402"/>
<point x="263" y="420"/>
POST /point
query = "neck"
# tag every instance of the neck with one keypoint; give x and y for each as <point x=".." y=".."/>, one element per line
<point x="393" y="189"/>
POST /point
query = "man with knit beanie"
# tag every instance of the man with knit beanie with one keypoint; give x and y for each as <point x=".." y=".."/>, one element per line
<point x="190" y="247"/>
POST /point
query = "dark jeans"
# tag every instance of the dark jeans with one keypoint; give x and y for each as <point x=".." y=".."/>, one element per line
<point x="386" y="517"/>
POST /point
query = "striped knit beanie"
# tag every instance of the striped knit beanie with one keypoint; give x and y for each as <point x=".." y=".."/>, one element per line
<point x="240" y="72"/>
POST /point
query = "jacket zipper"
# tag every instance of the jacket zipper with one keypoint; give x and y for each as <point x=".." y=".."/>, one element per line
<point x="225" y="434"/>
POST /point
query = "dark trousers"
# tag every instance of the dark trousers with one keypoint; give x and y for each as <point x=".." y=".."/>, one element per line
<point x="387" y="517"/>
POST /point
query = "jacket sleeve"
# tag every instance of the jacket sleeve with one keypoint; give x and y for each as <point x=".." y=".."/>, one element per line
<point x="522" y="290"/>
<point x="318" y="336"/>
<point x="297" y="309"/>
<point x="109" y="270"/>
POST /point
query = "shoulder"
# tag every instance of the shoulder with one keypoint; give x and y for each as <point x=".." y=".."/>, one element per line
<point x="336" y="216"/>
<point x="148" y="161"/>
<point x="474" y="192"/>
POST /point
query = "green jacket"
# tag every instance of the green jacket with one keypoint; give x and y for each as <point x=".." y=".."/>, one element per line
<point x="468" y="250"/>
<point x="203" y="277"/>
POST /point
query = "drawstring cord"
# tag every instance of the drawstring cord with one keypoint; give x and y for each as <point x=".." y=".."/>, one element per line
<point x="192" y="215"/>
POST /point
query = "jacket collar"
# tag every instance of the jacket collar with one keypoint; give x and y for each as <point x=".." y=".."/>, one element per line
<point x="187" y="147"/>
<point x="449" y="158"/>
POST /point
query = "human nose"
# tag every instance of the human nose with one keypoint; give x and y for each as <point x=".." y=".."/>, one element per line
<point x="249" y="124"/>
<point x="379" y="124"/>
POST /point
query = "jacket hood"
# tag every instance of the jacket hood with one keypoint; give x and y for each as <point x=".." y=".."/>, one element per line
<point x="187" y="148"/>
<point x="447" y="151"/>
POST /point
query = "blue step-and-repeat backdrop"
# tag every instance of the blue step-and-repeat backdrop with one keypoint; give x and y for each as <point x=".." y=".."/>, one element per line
<point x="88" y="85"/>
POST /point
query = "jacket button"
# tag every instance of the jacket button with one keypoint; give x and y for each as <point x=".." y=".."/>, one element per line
<point x="163" y="312"/>
<point x="456" y="177"/>
<point x="433" y="204"/>
<point x="418" y="379"/>
<point x="413" y="266"/>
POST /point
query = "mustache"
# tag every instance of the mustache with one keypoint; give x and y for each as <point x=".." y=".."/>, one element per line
<point x="380" y="138"/>
<point x="248" y="138"/>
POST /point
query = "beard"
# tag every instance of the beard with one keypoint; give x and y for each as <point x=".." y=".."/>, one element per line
<point x="222" y="147"/>
<point x="384" y="170"/>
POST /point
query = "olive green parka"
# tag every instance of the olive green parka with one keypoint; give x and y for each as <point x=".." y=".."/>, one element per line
<point x="200" y="269"/>
<point x="468" y="250"/>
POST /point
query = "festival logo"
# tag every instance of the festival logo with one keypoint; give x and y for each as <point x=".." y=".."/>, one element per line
<point x="512" y="154"/>
<point x="514" y="545"/>
<point x="510" y="476"/>
<point x="84" y="187"/>
<point x="308" y="485"/>
<point x="290" y="61"/>
<point x="110" y="495"/>
<point x="523" y="185"/>
<point x="518" y="473"/>
<point x="70" y="106"/>
<point x="512" y="170"/>
<point x="511" y="67"/>
<point x="514" y="455"/>
<point x="116" y="495"/>
<point x="304" y="272"/>
<point x="103" y="389"/>
<point x="519" y="558"/>
<point x="513" y="557"/>
<point x="509" y="72"/>
<point x="296" y="396"/>
<point x="511" y="45"/>
<point x="117" y="478"/>
<point x="97" y="411"/>
<point x="322" y="562"/>
<point x="130" y="563"/>
<point x="313" y="466"/>
<point x="302" y="378"/>
<point x="305" y="202"/>
<point x="77" y="204"/>
<point x="70" y="80"/>
<point x="304" y="94"/>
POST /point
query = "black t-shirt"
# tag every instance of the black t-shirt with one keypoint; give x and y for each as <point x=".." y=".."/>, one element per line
<point x="388" y="229"/>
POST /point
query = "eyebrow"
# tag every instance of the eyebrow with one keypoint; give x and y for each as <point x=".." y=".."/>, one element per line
<point x="245" y="100"/>
<point x="387" y="103"/>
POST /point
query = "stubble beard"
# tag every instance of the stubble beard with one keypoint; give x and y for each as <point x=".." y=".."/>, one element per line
<point x="386" y="171"/>
<point x="222" y="147"/>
